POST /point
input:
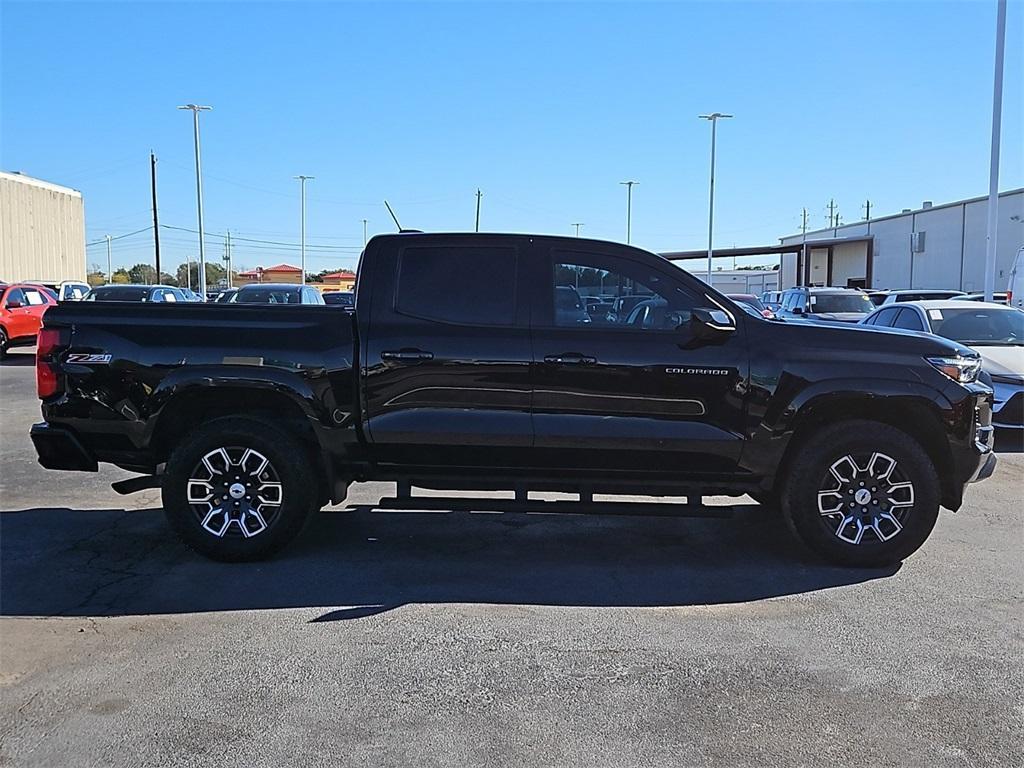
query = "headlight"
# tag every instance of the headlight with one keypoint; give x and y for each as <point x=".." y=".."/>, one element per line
<point x="962" y="370"/>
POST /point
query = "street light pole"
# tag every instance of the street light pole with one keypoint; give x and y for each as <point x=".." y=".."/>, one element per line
<point x="714" y="117"/>
<point x="302" y="184"/>
<point x="993" y="172"/>
<point x="110" y="270"/>
<point x="364" y="233"/>
<point x="196" y="109"/>
<point x="578" y="225"/>
<point x="629" y="208"/>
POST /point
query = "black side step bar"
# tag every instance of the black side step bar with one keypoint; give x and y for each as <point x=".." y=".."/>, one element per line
<point x="140" y="483"/>
<point x="532" y="506"/>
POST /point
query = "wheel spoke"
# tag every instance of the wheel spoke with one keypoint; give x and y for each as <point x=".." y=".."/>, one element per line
<point x="885" y="521"/>
<point x="216" y="531"/>
<point x="252" y="513"/>
<point x="194" y="497"/>
<point x="834" y="497"/>
<point x="261" y="462"/>
<point x="220" y="453"/>
<point x="888" y="465"/>
<point x="904" y="489"/>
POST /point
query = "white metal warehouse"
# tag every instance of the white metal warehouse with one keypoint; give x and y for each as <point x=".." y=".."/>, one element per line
<point x="42" y="230"/>
<point x="934" y="246"/>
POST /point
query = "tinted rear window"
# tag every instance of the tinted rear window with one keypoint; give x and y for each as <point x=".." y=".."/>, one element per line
<point x="267" y="296"/>
<point x="471" y="285"/>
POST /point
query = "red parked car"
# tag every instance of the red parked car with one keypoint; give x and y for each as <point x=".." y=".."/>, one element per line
<point x="21" y="314"/>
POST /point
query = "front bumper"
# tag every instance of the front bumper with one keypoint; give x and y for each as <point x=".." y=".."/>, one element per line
<point x="60" y="449"/>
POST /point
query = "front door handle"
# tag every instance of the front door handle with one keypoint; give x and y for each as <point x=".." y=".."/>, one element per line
<point x="570" y="358"/>
<point x="406" y="355"/>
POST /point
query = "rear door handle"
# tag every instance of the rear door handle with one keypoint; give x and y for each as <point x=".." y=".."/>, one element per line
<point x="406" y="355"/>
<point x="570" y="358"/>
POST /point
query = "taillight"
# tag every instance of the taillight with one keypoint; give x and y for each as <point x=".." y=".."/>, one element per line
<point x="47" y="379"/>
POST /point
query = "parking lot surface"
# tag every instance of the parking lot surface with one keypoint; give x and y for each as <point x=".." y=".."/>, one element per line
<point x="478" y="639"/>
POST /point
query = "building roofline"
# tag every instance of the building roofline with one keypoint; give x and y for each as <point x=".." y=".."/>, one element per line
<point x="34" y="182"/>
<point x="911" y="212"/>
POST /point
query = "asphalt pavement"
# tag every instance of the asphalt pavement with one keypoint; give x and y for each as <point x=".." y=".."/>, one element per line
<point x="425" y="639"/>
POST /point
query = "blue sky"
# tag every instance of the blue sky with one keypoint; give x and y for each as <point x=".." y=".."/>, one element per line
<point x="545" y="107"/>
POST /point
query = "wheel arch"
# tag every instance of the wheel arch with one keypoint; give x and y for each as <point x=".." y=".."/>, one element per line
<point x="194" y="406"/>
<point x="917" y="417"/>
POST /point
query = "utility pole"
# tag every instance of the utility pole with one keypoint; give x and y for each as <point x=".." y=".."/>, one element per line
<point x="110" y="269"/>
<point x="302" y="184"/>
<point x="580" y="224"/>
<point x="196" y="109"/>
<point x="629" y="208"/>
<point x="803" y="223"/>
<point x="364" y="233"/>
<point x="993" y="170"/>
<point x="867" y="210"/>
<point x="227" y="254"/>
<point x="479" y="194"/>
<point x="831" y="213"/>
<point x="156" y="223"/>
<point x="713" y="118"/>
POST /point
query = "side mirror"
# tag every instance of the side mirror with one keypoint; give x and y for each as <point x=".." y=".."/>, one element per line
<point x="711" y="324"/>
<point x="14" y="304"/>
<point x="797" y="310"/>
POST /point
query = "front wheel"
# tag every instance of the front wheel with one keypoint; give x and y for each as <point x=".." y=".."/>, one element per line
<point x="861" y="493"/>
<point x="3" y="343"/>
<point x="238" y="489"/>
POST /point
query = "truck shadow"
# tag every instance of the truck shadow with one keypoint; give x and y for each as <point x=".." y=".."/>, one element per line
<point x="356" y="563"/>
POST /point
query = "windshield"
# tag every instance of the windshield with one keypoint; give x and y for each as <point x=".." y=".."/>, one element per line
<point x="266" y="296"/>
<point x="841" y="302"/>
<point x="127" y="293"/>
<point x="979" y="327"/>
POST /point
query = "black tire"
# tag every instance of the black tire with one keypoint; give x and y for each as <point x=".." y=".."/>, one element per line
<point x="3" y="343"/>
<point x="898" y="518"/>
<point x="277" y="503"/>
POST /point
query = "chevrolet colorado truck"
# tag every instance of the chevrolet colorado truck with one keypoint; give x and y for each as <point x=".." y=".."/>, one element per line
<point x="458" y="370"/>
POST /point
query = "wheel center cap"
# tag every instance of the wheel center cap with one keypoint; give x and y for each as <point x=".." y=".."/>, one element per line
<point x="862" y="496"/>
<point x="236" y="491"/>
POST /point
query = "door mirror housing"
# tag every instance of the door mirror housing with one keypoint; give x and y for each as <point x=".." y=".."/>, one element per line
<point x="14" y="304"/>
<point x="797" y="310"/>
<point x="708" y="324"/>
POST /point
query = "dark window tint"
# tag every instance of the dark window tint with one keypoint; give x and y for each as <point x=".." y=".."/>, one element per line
<point x="908" y="319"/>
<point x="885" y="317"/>
<point x="461" y="284"/>
<point x="119" y="293"/>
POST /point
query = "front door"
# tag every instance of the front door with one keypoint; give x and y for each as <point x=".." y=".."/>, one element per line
<point x="631" y="388"/>
<point x="447" y="353"/>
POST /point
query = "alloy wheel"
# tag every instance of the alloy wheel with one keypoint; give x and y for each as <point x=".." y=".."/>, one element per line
<point x="235" y="491"/>
<point x="865" y="497"/>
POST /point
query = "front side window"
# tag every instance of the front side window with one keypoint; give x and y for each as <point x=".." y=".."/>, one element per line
<point x="597" y="291"/>
<point x="14" y="295"/>
<point x="467" y="285"/>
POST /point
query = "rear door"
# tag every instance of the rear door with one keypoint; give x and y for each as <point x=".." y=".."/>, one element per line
<point x="446" y="354"/>
<point x="632" y="392"/>
<point x="36" y="302"/>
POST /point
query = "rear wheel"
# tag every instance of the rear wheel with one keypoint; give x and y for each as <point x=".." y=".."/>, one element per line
<point x="3" y="343"/>
<point x="861" y="493"/>
<point x="237" y="489"/>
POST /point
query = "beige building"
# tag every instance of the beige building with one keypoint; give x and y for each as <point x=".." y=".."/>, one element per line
<point x="42" y="230"/>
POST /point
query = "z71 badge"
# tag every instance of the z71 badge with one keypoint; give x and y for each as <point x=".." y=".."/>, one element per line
<point x="84" y="358"/>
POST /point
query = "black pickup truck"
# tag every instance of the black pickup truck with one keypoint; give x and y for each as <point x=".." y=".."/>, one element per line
<point x="462" y="368"/>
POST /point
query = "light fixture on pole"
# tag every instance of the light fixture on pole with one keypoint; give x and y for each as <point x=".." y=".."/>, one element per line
<point x="196" y="109"/>
<point x="713" y="118"/>
<point x="629" y="208"/>
<point x="302" y="184"/>
<point x="578" y="225"/>
<point x="364" y="232"/>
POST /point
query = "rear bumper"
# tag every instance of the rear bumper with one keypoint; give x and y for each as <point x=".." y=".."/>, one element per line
<point x="60" y="449"/>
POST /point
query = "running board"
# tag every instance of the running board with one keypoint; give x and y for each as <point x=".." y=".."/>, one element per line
<point x="533" y="506"/>
<point x="134" y="484"/>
